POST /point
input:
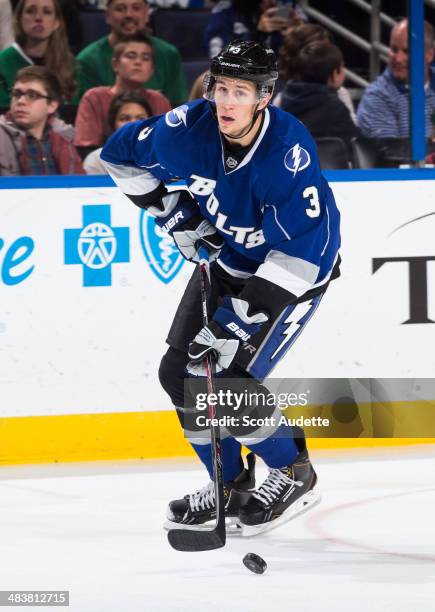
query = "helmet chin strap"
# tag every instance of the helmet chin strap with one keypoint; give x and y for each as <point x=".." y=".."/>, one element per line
<point x="244" y="133"/>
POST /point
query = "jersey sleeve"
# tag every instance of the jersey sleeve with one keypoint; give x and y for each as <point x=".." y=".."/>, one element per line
<point x="295" y="227"/>
<point x="141" y="156"/>
<point x="300" y="226"/>
<point x="131" y="157"/>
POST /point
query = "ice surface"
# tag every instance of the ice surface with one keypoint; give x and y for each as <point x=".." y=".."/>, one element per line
<point x="95" y="530"/>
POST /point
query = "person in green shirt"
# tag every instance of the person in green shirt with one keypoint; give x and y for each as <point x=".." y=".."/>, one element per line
<point x="126" y="18"/>
<point x="40" y="39"/>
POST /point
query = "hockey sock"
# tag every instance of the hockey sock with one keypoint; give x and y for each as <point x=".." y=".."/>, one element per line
<point x="231" y="458"/>
<point x="278" y="450"/>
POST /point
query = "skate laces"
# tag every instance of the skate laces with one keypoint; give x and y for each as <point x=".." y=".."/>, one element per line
<point x="272" y="487"/>
<point x="202" y="499"/>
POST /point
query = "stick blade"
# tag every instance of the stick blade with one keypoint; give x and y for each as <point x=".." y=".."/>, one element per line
<point x="189" y="540"/>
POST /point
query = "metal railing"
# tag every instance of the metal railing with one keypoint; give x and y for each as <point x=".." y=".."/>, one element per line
<point x="377" y="51"/>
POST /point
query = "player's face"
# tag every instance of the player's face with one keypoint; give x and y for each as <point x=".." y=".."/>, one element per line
<point x="127" y="17"/>
<point x="130" y="111"/>
<point x="135" y="63"/>
<point x="236" y="101"/>
<point x="38" y="19"/>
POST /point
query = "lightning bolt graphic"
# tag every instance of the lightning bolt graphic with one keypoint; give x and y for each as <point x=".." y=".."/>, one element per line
<point x="181" y="114"/>
<point x="293" y="323"/>
<point x="296" y="158"/>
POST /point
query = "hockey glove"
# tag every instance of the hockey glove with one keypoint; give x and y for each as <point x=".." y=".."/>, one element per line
<point x="196" y="232"/>
<point x="188" y="227"/>
<point x="221" y="337"/>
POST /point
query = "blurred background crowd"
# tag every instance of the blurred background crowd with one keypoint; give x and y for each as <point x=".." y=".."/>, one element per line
<point x="73" y="71"/>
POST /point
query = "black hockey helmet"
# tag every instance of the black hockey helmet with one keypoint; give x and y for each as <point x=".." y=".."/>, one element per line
<point x="245" y="60"/>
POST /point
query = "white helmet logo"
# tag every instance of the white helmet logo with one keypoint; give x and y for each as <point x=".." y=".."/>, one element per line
<point x="234" y="49"/>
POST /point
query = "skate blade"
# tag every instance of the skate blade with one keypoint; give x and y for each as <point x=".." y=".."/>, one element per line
<point x="232" y="525"/>
<point x="306" y="502"/>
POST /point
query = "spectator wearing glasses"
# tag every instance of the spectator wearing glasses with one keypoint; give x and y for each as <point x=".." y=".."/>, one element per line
<point x="384" y="108"/>
<point x="40" y="39"/>
<point x="32" y="140"/>
<point x="133" y="65"/>
<point x="126" y="18"/>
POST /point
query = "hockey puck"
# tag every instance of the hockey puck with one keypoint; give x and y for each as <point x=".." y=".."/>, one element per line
<point x="255" y="563"/>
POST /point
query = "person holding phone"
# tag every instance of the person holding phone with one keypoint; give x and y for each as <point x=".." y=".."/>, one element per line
<point x="265" y="21"/>
<point x="277" y="18"/>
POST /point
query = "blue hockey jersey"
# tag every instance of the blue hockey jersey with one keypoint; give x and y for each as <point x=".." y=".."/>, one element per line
<point x="275" y="210"/>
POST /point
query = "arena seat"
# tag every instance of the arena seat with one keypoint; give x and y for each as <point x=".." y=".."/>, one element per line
<point x="94" y="26"/>
<point x="332" y="154"/>
<point x="366" y="153"/>
<point x="193" y="69"/>
<point x="183" y="28"/>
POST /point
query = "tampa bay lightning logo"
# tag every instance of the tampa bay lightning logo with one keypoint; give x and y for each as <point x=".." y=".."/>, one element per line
<point x="164" y="258"/>
<point x="177" y="116"/>
<point x="297" y="159"/>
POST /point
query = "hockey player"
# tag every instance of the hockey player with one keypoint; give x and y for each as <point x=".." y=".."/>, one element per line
<point x="257" y="199"/>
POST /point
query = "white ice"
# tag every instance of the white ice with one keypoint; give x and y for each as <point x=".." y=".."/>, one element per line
<point x="95" y="530"/>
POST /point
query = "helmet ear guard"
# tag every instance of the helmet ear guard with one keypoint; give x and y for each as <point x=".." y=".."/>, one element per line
<point x="207" y="85"/>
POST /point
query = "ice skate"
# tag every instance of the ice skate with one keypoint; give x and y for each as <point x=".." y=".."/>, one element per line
<point x="199" y="508"/>
<point x="286" y="493"/>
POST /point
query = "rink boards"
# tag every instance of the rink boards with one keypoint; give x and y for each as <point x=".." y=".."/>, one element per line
<point x="88" y="289"/>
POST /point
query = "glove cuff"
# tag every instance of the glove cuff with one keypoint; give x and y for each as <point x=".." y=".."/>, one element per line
<point x="233" y="317"/>
<point x="183" y="211"/>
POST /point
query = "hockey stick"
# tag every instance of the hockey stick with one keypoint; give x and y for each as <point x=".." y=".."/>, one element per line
<point x="190" y="539"/>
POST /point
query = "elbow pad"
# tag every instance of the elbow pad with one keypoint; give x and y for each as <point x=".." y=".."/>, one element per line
<point x="149" y="193"/>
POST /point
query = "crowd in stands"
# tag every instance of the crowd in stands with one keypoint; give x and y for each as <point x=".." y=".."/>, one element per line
<point x="124" y="107"/>
<point x="133" y="66"/>
<point x="61" y="97"/>
<point x="313" y="70"/>
<point x="260" y="20"/>
<point x="126" y="18"/>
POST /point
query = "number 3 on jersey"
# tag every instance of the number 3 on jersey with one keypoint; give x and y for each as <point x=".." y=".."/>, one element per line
<point x="313" y="195"/>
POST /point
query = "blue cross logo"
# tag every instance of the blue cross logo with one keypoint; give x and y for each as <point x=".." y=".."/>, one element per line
<point x="163" y="257"/>
<point x="97" y="245"/>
